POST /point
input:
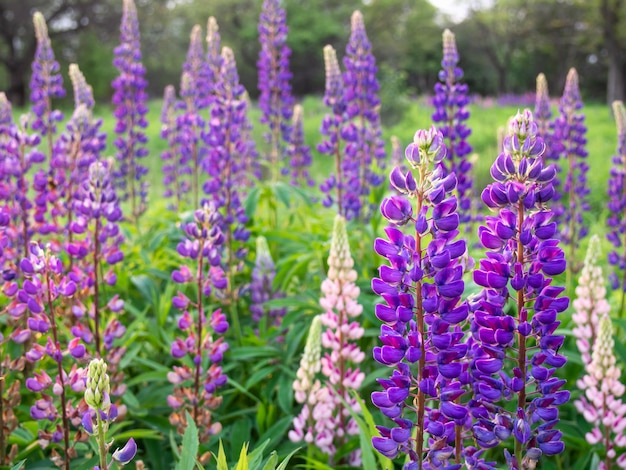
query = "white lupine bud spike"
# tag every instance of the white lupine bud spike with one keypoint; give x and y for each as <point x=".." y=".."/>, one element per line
<point x="98" y="387"/>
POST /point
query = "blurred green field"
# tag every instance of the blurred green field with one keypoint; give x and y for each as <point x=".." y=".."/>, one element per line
<point x="484" y="122"/>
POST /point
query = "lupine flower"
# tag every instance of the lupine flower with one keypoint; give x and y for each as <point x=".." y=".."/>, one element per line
<point x="590" y="304"/>
<point x="545" y="130"/>
<point x="226" y="139"/>
<point x="20" y="154"/>
<point x="570" y="141"/>
<point x="298" y="152"/>
<point x="307" y="385"/>
<point x="450" y="102"/>
<point x="194" y="91"/>
<point x="214" y="52"/>
<point x="422" y="313"/>
<point x="515" y="316"/>
<point x="97" y="241"/>
<point x="261" y="289"/>
<point x="342" y="356"/>
<point x="617" y="205"/>
<point x="365" y="148"/>
<point x="173" y="169"/>
<point x="195" y="386"/>
<point x="42" y="292"/>
<point x="73" y="152"/>
<point x="275" y="100"/>
<point x="602" y="404"/>
<point x="332" y="125"/>
<point x="124" y="455"/>
<point x="129" y="99"/>
<point x="46" y="83"/>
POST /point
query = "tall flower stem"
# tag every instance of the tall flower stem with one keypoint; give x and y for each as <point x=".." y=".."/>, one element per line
<point x="2" y="438"/>
<point x="102" y="447"/>
<point x="421" y="398"/>
<point x="59" y="359"/>
<point x="198" y="358"/>
<point x="521" y="359"/>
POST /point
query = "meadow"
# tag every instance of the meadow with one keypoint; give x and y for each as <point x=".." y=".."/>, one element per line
<point x="177" y="295"/>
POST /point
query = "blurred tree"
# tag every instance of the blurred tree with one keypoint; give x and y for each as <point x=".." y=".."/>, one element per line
<point x="65" y="19"/>
<point x="613" y="15"/>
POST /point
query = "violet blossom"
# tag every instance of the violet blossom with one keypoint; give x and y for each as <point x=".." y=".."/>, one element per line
<point x="515" y="315"/>
<point x="331" y="128"/>
<point x="173" y="164"/>
<point x="365" y="148"/>
<point x="450" y="101"/>
<point x="129" y="99"/>
<point x="422" y="313"/>
<point x="616" y="220"/>
<point x="46" y="83"/>
<point x="44" y="289"/>
<point x="275" y="99"/>
<point x="202" y="349"/>
<point x="194" y="91"/>
<point x="298" y="152"/>
<point x="569" y="139"/>
<point x="261" y="287"/>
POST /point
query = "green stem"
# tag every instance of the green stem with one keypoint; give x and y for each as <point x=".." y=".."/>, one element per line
<point x="102" y="448"/>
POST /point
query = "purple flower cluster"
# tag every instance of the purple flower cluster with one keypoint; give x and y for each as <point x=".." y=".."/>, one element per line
<point x="545" y="130"/>
<point x="225" y="137"/>
<point x="332" y="126"/>
<point x="422" y="313"/>
<point x="450" y="102"/>
<point x="46" y="83"/>
<point x="73" y="153"/>
<point x="97" y="240"/>
<point x="19" y="151"/>
<point x="523" y="255"/>
<point x="174" y="169"/>
<point x="365" y="148"/>
<point x="570" y="141"/>
<point x="298" y="152"/>
<point x="355" y="123"/>
<point x="261" y="288"/>
<point x="197" y="379"/>
<point x="129" y="99"/>
<point x="43" y="291"/>
<point x="275" y="100"/>
<point x="617" y="205"/>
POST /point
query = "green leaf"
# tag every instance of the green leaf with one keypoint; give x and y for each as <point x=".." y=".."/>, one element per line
<point x="242" y="464"/>
<point x="240" y="433"/>
<point x="221" y="458"/>
<point x="256" y="456"/>
<point x="189" y="452"/>
<point x="272" y="461"/>
<point x="252" y="201"/>
<point x="18" y="465"/>
<point x="283" y="464"/>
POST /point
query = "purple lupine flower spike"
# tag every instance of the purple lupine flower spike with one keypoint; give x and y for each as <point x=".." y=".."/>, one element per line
<point x="298" y="152"/>
<point x="275" y="100"/>
<point x="570" y="141"/>
<point x="422" y="312"/>
<point x="451" y="112"/>
<point x="365" y="148"/>
<point x="617" y="206"/>
<point x="214" y="52"/>
<point x="195" y="387"/>
<point x="194" y="91"/>
<point x="73" y="152"/>
<point x="331" y="128"/>
<point x="44" y="290"/>
<point x="261" y="289"/>
<point x="46" y="83"/>
<point x="173" y="169"/>
<point x="515" y="315"/>
<point x="129" y="99"/>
